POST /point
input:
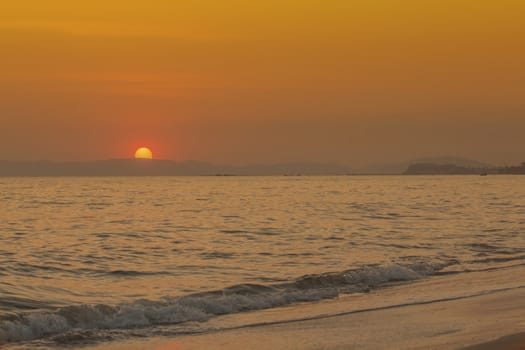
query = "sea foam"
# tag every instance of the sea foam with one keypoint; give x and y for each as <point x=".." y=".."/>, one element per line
<point x="201" y="306"/>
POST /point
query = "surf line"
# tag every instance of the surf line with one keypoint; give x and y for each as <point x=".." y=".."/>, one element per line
<point x="359" y="311"/>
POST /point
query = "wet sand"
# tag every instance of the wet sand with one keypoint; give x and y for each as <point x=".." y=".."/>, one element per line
<point x="465" y="319"/>
<point x="441" y="325"/>
<point x="511" y="342"/>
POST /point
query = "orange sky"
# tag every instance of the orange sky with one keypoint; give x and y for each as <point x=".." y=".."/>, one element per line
<point x="348" y="81"/>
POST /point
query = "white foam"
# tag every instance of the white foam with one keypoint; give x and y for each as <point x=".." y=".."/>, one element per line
<point x="202" y="306"/>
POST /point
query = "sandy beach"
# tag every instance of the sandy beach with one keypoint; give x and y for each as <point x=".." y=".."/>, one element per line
<point x="511" y="342"/>
<point x="262" y="174"/>
<point x="358" y="269"/>
<point x="472" y="316"/>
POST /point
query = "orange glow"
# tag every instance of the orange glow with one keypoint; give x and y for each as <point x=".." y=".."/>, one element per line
<point x="270" y="81"/>
<point x="143" y="153"/>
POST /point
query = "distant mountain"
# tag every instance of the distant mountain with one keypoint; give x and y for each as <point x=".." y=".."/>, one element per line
<point x="467" y="168"/>
<point x="446" y="169"/>
<point x="399" y="168"/>
<point x="142" y="167"/>
<point x="457" y="161"/>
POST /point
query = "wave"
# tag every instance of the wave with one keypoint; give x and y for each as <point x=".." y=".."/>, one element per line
<point x="202" y="306"/>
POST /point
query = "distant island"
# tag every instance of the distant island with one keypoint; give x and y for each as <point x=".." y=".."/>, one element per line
<point x="453" y="169"/>
<point x="148" y="167"/>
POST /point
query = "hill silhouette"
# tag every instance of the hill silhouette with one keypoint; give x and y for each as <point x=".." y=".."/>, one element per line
<point x="401" y="167"/>
<point x="146" y="167"/>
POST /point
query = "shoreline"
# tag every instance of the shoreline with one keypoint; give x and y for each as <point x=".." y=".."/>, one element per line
<point x="509" y="342"/>
<point x="482" y="311"/>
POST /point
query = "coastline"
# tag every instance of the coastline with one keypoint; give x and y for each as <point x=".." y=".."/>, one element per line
<point x="510" y="342"/>
<point x="483" y="310"/>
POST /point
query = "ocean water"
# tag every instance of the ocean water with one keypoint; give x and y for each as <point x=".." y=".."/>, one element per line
<point x="98" y="259"/>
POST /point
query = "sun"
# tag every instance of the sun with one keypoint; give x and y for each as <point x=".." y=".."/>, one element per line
<point x="143" y="153"/>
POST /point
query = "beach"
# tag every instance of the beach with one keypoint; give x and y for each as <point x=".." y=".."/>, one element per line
<point x="471" y="317"/>
<point x="510" y="342"/>
<point x="254" y="262"/>
<point x="284" y="175"/>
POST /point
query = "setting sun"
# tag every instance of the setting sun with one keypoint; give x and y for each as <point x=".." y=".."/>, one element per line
<point x="143" y="153"/>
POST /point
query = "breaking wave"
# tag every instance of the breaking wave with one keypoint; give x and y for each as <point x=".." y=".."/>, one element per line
<point x="202" y="306"/>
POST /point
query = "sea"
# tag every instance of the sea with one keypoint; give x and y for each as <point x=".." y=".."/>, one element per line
<point x="88" y="260"/>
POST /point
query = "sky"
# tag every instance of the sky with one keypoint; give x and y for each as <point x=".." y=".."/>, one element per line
<point x="233" y="81"/>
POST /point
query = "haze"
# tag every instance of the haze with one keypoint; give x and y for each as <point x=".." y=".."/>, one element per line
<point x="352" y="82"/>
